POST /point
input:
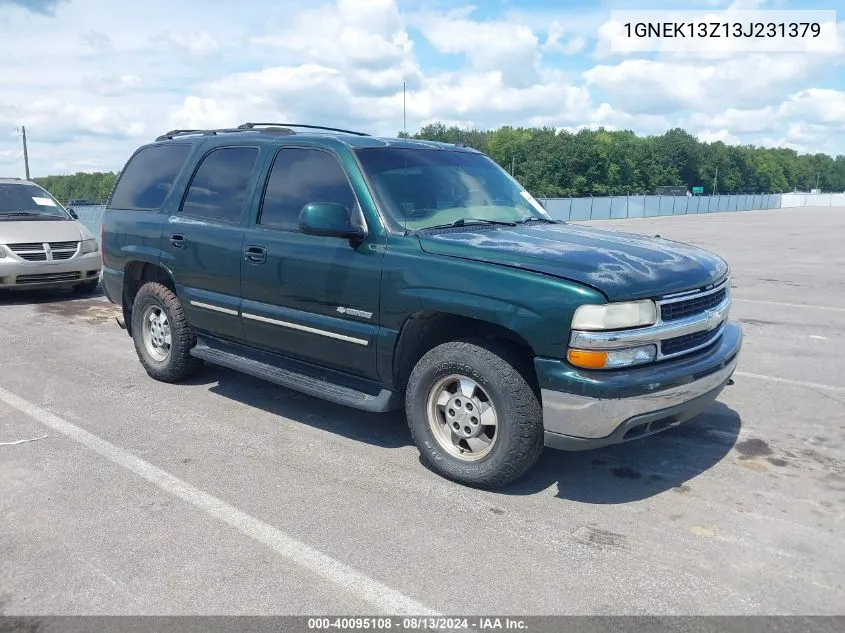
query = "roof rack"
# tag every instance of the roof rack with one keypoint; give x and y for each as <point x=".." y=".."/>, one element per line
<point x="278" y="128"/>
<point x="250" y="126"/>
<point x="176" y="133"/>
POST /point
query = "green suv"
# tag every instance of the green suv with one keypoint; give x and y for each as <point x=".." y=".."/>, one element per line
<point x="384" y="273"/>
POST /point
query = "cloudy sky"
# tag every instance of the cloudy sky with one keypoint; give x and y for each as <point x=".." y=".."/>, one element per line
<point x="93" y="79"/>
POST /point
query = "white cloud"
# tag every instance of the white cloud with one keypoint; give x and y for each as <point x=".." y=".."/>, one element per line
<point x="807" y="117"/>
<point x="822" y="106"/>
<point x="196" y="43"/>
<point x="507" y="47"/>
<point x="554" y="43"/>
<point x="197" y="112"/>
<point x="665" y="85"/>
<point x="91" y="85"/>
<point x="709" y="136"/>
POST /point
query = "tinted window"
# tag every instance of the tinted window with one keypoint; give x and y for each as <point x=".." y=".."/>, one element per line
<point x="300" y="176"/>
<point x="218" y="189"/>
<point x="420" y="188"/>
<point x="148" y="177"/>
<point x="21" y="198"/>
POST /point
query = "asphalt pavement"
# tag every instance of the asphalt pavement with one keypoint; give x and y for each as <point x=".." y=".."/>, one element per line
<point x="228" y="495"/>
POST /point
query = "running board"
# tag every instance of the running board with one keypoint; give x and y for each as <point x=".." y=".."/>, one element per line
<point x="321" y="383"/>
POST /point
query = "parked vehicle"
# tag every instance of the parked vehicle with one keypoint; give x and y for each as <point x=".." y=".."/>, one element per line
<point x="41" y="243"/>
<point x="384" y="273"/>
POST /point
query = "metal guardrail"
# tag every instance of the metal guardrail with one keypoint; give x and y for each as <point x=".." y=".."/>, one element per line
<point x="620" y="207"/>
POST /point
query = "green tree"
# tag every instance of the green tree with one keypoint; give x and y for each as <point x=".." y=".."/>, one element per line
<point x="559" y="163"/>
<point x="94" y="186"/>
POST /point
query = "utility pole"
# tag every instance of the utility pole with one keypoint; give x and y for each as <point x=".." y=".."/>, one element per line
<point x="818" y="175"/>
<point x="25" y="154"/>
<point x="513" y="164"/>
<point x="404" y="115"/>
<point x="715" y="178"/>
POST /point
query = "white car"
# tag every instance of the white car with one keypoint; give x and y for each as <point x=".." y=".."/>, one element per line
<point x="42" y="245"/>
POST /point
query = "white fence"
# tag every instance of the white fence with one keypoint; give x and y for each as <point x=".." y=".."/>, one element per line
<point x="789" y="200"/>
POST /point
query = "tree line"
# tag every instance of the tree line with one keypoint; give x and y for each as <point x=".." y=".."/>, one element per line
<point x="94" y="187"/>
<point x="595" y="162"/>
<point x="600" y="162"/>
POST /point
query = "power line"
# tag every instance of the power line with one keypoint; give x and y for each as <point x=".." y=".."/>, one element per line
<point x="25" y="153"/>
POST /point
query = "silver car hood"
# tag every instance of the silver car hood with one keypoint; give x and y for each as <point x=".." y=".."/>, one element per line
<point x="42" y="231"/>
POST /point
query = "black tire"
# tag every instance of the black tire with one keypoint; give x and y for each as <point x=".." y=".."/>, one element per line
<point x="87" y="288"/>
<point x="494" y="367"/>
<point x="179" y="364"/>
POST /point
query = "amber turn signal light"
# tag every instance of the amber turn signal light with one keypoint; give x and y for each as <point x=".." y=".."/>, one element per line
<point x="587" y="359"/>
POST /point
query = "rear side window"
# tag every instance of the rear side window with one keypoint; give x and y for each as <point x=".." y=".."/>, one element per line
<point x="300" y="176"/>
<point x="149" y="176"/>
<point x="219" y="187"/>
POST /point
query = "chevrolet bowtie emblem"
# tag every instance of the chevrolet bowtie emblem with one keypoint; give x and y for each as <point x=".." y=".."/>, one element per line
<point x="713" y="319"/>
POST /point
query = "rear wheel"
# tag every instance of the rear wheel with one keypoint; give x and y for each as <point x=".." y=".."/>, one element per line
<point x="473" y="414"/>
<point x="163" y="339"/>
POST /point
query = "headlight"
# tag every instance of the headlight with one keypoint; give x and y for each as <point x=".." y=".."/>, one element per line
<point x="612" y="359"/>
<point x="89" y="246"/>
<point x="615" y="316"/>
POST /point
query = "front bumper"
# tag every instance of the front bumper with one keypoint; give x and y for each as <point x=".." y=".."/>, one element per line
<point x="18" y="275"/>
<point x="589" y="409"/>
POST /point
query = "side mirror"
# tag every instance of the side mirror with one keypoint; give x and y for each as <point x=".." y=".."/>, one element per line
<point x="73" y="214"/>
<point x="330" y="219"/>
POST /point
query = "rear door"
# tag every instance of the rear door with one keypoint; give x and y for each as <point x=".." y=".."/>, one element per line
<point x="314" y="298"/>
<point x="203" y="240"/>
<point x="133" y="221"/>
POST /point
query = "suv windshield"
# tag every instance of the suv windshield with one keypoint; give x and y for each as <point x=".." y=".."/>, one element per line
<point x="21" y="201"/>
<point x="426" y="188"/>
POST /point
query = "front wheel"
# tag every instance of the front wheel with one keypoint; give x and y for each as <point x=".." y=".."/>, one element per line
<point x="163" y="339"/>
<point x="473" y="414"/>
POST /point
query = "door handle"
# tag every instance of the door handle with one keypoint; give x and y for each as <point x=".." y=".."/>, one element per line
<point x="178" y="241"/>
<point x="255" y="254"/>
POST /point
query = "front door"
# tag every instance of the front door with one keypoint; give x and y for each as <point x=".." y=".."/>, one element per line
<point x="203" y="241"/>
<point x="310" y="297"/>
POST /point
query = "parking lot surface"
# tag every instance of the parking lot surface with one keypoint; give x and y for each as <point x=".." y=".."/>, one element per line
<point x="230" y="495"/>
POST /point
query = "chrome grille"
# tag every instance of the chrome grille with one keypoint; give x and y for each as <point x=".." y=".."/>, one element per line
<point x="690" y="303"/>
<point x="35" y="251"/>
<point x="688" y="307"/>
<point x="64" y="245"/>
<point x="689" y="321"/>
<point x="33" y="257"/>
<point x="29" y="251"/>
<point x="689" y="342"/>
<point x="63" y="250"/>
<point x="46" y="277"/>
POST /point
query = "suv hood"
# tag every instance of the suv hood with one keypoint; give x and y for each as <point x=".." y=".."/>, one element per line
<point x="12" y="232"/>
<point x="621" y="265"/>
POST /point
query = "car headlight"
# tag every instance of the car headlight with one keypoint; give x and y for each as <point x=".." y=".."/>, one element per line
<point x="612" y="359"/>
<point x="89" y="246"/>
<point x="615" y="316"/>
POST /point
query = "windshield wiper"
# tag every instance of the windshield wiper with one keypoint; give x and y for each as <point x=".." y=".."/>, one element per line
<point x="25" y="214"/>
<point x="534" y="218"/>
<point x="466" y="221"/>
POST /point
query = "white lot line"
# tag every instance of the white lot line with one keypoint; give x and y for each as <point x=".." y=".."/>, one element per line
<point x="787" y="381"/>
<point x="356" y="583"/>
<point x="791" y="305"/>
